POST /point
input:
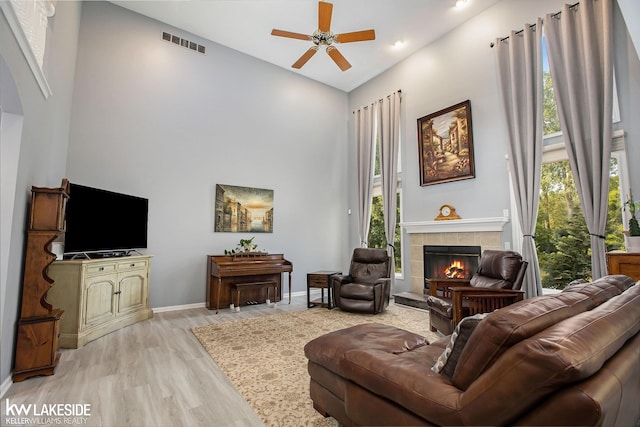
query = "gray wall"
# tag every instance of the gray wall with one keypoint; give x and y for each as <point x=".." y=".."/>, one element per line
<point x="43" y="148"/>
<point x="156" y="120"/>
<point x="460" y="66"/>
<point x="631" y="11"/>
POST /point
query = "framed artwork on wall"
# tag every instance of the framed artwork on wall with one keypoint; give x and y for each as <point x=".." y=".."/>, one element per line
<point x="445" y="141"/>
<point x="243" y="209"/>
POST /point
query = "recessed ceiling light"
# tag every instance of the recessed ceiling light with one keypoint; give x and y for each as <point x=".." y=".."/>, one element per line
<point x="399" y="44"/>
<point x="461" y="3"/>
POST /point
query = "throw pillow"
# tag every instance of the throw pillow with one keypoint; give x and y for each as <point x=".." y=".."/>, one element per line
<point x="448" y="360"/>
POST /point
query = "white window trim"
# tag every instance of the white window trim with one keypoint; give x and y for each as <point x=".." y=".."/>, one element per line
<point x="556" y="151"/>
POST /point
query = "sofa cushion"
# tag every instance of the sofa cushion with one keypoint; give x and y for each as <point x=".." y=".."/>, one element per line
<point x="602" y="289"/>
<point x="329" y="349"/>
<point x="427" y="355"/>
<point x="505" y="327"/>
<point x="448" y="360"/>
<point x="357" y="291"/>
<point x="369" y="265"/>
<point x="410" y="385"/>
<point x="521" y="320"/>
<point x="497" y="265"/>
<point x="609" y="398"/>
<point x="565" y="353"/>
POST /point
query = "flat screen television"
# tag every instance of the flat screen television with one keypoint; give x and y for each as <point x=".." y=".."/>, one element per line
<point x="104" y="221"/>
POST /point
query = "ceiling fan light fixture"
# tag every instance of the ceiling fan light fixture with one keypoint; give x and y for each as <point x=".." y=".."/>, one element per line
<point x="324" y="37"/>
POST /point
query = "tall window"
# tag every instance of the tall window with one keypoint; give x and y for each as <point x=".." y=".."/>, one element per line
<point x="377" y="238"/>
<point x="562" y="239"/>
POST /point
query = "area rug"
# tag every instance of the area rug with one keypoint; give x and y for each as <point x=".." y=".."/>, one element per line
<point x="264" y="358"/>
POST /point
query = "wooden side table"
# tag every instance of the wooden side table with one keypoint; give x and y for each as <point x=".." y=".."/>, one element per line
<point x="322" y="280"/>
<point x="627" y="263"/>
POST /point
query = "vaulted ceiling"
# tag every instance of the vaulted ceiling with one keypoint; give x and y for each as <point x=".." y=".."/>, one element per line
<point x="245" y="26"/>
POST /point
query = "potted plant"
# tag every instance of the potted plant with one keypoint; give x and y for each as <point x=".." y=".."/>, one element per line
<point x="632" y="235"/>
<point x="245" y="246"/>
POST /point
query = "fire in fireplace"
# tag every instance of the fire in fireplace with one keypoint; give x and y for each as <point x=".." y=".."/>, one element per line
<point x="457" y="270"/>
<point x="450" y="262"/>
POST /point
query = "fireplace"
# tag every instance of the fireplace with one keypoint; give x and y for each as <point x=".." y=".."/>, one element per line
<point x="450" y="262"/>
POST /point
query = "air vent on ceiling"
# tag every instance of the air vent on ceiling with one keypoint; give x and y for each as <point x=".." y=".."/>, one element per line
<point x="183" y="42"/>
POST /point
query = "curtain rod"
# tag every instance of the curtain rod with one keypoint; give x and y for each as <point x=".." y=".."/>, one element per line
<point x="399" y="91"/>
<point x="492" y="44"/>
<point x="366" y="106"/>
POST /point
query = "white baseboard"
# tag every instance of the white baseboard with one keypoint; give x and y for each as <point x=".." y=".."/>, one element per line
<point x="4" y="387"/>
<point x="178" y="307"/>
<point x="203" y="304"/>
<point x="299" y="293"/>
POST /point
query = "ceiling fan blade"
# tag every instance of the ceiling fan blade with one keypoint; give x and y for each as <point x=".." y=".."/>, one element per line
<point x="356" y="36"/>
<point x="337" y="57"/>
<point x="289" y="34"/>
<point x="305" y="57"/>
<point x="324" y="16"/>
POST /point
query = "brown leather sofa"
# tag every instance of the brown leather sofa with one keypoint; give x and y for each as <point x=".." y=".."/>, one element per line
<point x="572" y="358"/>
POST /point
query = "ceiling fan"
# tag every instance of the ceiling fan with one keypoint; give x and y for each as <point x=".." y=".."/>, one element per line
<point x="324" y="37"/>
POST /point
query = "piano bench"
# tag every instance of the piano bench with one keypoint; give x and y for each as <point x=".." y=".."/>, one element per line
<point x="255" y="285"/>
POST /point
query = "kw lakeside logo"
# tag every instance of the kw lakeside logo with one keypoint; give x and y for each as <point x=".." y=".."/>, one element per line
<point x="46" y="414"/>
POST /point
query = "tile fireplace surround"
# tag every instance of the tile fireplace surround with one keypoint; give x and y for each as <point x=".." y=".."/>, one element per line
<point x="483" y="232"/>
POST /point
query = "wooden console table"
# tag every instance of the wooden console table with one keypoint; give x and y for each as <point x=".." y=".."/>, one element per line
<point x="627" y="263"/>
<point x="100" y="296"/>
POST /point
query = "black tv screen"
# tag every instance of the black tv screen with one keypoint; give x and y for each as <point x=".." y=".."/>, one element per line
<point x="100" y="220"/>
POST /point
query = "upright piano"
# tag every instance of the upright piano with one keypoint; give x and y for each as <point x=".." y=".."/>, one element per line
<point x="225" y="271"/>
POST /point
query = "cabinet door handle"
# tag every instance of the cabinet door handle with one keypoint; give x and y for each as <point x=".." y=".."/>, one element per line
<point x="117" y="292"/>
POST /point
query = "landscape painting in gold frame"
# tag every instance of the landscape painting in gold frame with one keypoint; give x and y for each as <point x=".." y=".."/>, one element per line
<point x="243" y="209"/>
<point x="445" y="142"/>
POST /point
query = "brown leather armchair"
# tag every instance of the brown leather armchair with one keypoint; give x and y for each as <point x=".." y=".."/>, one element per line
<point x="367" y="287"/>
<point x="495" y="284"/>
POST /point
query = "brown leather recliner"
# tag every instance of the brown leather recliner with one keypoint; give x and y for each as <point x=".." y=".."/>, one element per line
<point x="367" y="287"/>
<point x="495" y="284"/>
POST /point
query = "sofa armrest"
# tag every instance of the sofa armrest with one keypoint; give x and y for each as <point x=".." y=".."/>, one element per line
<point x="383" y="281"/>
<point x="481" y="300"/>
<point x="442" y="287"/>
<point x="340" y="279"/>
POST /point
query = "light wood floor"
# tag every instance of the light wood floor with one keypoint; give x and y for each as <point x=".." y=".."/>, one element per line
<point x="153" y="373"/>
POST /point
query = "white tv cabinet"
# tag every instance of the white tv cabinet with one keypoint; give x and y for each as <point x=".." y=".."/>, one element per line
<point x="99" y="296"/>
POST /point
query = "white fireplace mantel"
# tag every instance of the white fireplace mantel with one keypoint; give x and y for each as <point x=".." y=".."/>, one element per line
<point x="471" y="225"/>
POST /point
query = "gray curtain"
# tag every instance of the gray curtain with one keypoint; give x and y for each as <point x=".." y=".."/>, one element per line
<point x="363" y="121"/>
<point x="579" y="41"/>
<point x="388" y="124"/>
<point x="520" y="80"/>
